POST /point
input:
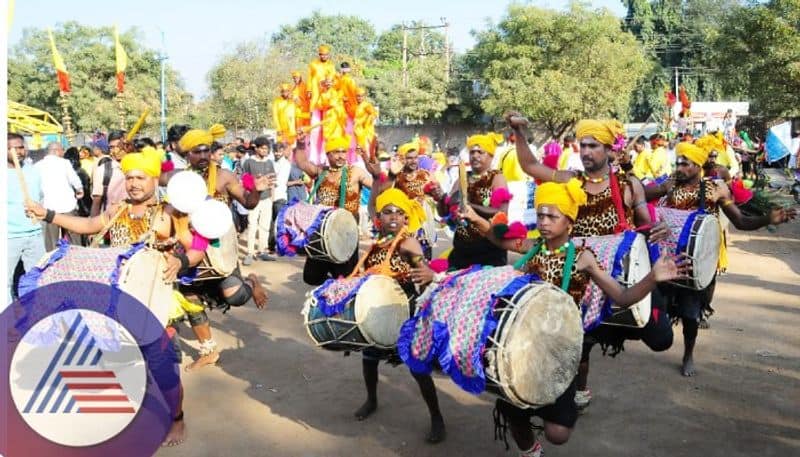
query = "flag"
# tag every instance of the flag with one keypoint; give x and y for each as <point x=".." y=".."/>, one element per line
<point x="61" y="69"/>
<point x="122" y="62"/>
<point x="779" y="140"/>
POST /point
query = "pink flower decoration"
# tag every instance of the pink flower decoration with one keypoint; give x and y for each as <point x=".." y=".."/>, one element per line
<point x="439" y="265"/>
<point x="516" y="231"/>
<point x="167" y="166"/>
<point x="619" y="144"/>
<point x="248" y="182"/>
<point x="500" y="196"/>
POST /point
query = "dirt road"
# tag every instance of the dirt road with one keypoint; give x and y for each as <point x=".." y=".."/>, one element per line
<point x="274" y="394"/>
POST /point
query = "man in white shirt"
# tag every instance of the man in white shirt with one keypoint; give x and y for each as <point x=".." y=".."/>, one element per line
<point x="108" y="181"/>
<point x="279" y="193"/>
<point x="61" y="188"/>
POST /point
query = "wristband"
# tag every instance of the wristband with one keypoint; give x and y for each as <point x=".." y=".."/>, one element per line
<point x="184" y="261"/>
<point x="49" y="216"/>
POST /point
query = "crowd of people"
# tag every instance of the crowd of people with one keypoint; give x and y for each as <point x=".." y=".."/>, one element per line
<point x="592" y="183"/>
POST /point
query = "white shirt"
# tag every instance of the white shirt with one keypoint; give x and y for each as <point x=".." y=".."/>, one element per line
<point x="59" y="184"/>
<point x="179" y="162"/>
<point x="282" y="169"/>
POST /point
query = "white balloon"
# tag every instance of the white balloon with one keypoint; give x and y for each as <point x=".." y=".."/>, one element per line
<point x="212" y="219"/>
<point x="186" y="191"/>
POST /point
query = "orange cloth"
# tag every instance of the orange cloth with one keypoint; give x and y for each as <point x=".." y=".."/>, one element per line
<point x="302" y="100"/>
<point x="317" y="72"/>
<point x="348" y="89"/>
<point x="284" y="114"/>
<point x="334" y="118"/>
<point x="364" y="124"/>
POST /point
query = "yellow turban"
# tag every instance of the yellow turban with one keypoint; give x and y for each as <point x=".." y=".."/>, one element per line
<point x="361" y="91"/>
<point x="710" y="143"/>
<point x="148" y="161"/>
<point x="408" y="147"/>
<point x="566" y="197"/>
<point x="604" y="131"/>
<point x="196" y="137"/>
<point x="411" y="208"/>
<point x="342" y="142"/>
<point x="692" y="152"/>
<point x="487" y="142"/>
<point x="285" y="86"/>
<point x="324" y="49"/>
<point x="295" y="74"/>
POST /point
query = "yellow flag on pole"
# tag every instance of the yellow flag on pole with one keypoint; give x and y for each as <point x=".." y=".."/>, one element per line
<point x="58" y="62"/>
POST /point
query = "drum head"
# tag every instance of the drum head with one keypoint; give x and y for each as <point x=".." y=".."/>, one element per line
<point x="142" y="278"/>
<point x="541" y="346"/>
<point x="381" y="308"/>
<point x="706" y="249"/>
<point x="225" y="258"/>
<point x="340" y="234"/>
<point x="638" y="266"/>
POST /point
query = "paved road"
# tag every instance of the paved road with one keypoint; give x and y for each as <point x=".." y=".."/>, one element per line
<point x="274" y="394"/>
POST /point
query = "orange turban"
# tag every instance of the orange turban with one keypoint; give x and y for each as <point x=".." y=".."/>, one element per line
<point x="604" y="131"/>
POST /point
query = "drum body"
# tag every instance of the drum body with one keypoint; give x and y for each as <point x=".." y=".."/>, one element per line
<point x="337" y="238"/>
<point x="221" y="260"/>
<point x="629" y="249"/>
<point x="371" y="319"/>
<point x="140" y="275"/>
<point x="697" y="235"/>
<point x="533" y="354"/>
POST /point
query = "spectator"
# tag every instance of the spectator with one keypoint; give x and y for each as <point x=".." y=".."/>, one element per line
<point x="61" y="188"/>
<point x="25" y="241"/>
<point x="280" y="193"/>
<point x="87" y="159"/>
<point x="108" y="181"/>
<point x="85" y="202"/>
<point x="260" y="217"/>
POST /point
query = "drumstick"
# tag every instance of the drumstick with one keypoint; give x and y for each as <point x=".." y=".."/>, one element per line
<point x="22" y="184"/>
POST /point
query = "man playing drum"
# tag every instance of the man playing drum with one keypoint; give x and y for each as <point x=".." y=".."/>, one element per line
<point x="690" y="305"/>
<point x="411" y="180"/>
<point x="129" y="222"/>
<point x="556" y="259"/>
<point x="339" y="186"/>
<point x="615" y="202"/>
<point x="224" y="186"/>
<point x="487" y="194"/>
<point x="398" y="254"/>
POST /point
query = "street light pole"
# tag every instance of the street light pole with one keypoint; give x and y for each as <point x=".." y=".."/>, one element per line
<point x="163" y="58"/>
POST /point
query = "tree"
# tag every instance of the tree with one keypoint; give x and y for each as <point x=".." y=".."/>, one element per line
<point x="558" y="67"/>
<point x="347" y="35"/>
<point x="758" y="53"/>
<point x="89" y="56"/>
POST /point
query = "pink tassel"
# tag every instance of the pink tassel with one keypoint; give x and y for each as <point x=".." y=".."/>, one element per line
<point x="167" y="166"/>
<point x="500" y="196"/>
<point x="516" y="231"/>
<point x="439" y="265"/>
<point x="248" y="182"/>
<point x="740" y="194"/>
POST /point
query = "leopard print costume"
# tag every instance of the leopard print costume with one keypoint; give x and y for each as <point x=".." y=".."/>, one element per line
<point x="399" y="265"/>
<point x="328" y="191"/>
<point x="413" y="184"/>
<point x="126" y="229"/>
<point x="551" y="267"/>
<point x="479" y="190"/>
<point x="687" y="197"/>
<point x="598" y="216"/>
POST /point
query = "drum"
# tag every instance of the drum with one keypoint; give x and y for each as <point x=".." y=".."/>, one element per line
<point x="137" y="271"/>
<point x="497" y="330"/>
<point x="625" y="257"/>
<point x="325" y="233"/>
<point x="374" y="309"/>
<point x="533" y="354"/>
<point x="698" y="235"/>
<point x="221" y="259"/>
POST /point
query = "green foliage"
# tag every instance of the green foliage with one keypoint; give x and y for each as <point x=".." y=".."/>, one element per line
<point x="347" y="35"/>
<point x="758" y="53"/>
<point x="558" y="67"/>
<point x="88" y="54"/>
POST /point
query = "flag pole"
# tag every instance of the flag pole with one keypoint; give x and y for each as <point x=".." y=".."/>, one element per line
<point x="121" y="110"/>
<point x="63" y="100"/>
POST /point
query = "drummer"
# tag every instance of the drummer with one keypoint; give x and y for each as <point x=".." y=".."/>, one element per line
<point x="399" y="254"/>
<point x="412" y="180"/>
<point x="487" y="193"/>
<point x="233" y="290"/>
<point x="130" y="221"/>
<point x="688" y="305"/>
<point x="615" y="202"/>
<point x="339" y="186"/>
<point x="556" y="259"/>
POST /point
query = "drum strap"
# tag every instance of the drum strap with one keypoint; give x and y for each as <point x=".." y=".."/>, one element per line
<point x="212" y="179"/>
<point x="616" y="198"/>
<point x="566" y="273"/>
<point x="702" y="203"/>
<point x="342" y="187"/>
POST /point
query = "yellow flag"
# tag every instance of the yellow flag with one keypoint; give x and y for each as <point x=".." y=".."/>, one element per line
<point x="61" y="69"/>
<point x="122" y="61"/>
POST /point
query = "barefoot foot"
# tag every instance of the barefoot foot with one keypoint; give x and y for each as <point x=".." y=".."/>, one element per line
<point x="438" y="431"/>
<point x="176" y="434"/>
<point x="688" y="367"/>
<point x="202" y="361"/>
<point x="366" y="410"/>
<point x="259" y="294"/>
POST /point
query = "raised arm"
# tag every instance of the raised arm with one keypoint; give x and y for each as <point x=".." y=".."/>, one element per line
<point x="527" y="161"/>
<point x="248" y="199"/>
<point x="80" y="225"/>
<point x="301" y="159"/>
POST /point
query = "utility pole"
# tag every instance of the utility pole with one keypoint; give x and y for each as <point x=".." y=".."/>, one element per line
<point x="162" y="57"/>
<point x="405" y="55"/>
<point x="446" y="50"/>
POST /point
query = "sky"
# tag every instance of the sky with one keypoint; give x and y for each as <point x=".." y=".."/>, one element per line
<point x="197" y="32"/>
